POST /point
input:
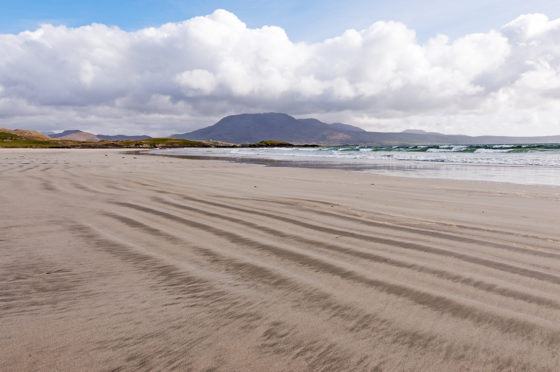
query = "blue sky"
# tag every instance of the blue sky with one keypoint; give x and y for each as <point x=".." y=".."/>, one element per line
<point x="310" y="20"/>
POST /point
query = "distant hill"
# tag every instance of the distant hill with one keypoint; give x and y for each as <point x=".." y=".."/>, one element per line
<point x="121" y="137"/>
<point x="78" y="135"/>
<point x="30" y="139"/>
<point x="252" y="128"/>
<point x="62" y="134"/>
<point x="26" y="134"/>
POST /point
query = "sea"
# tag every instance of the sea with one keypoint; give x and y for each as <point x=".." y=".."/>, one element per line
<point x="520" y="163"/>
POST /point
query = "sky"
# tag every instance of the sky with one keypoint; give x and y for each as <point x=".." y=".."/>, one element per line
<point x="172" y="66"/>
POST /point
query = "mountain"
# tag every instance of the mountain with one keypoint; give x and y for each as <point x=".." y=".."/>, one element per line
<point x="76" y="135"/>
<point x="251" y="128"/>
<point x="62" y="134"/>
<point x="121" y="137"/>
<point x="347" y="127"/>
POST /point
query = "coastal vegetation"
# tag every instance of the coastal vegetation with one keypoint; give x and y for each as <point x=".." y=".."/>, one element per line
<point x="11" y="140"/>
<point x="26" y="140"/>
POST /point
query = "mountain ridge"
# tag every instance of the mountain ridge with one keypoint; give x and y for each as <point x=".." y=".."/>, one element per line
<point x="78" y="135"/>
<point x="252" y="128"/>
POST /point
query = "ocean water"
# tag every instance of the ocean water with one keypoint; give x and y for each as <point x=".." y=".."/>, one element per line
<point x="524" y="164"/>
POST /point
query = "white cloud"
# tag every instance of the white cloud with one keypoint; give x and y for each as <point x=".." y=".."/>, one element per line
<point x="197" y="82"/>
<point x="181" y="76"/>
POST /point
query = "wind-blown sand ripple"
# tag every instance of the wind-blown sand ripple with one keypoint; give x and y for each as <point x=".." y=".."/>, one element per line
<point x="127" y="262"/>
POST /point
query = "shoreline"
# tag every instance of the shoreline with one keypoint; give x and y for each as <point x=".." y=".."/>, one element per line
<point x="113" y="260"/>
<point x="400" y="168"/>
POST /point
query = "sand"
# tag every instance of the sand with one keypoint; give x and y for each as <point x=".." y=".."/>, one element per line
<point x="125" y="262"/>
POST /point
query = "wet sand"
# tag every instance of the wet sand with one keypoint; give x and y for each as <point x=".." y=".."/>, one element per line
<point x="124" y="262"/>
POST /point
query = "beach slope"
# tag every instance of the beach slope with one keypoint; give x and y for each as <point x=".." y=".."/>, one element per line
<point x="112" y="261"/>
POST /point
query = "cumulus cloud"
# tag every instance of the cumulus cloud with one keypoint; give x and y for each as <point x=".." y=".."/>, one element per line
<point x="182" y="76"/>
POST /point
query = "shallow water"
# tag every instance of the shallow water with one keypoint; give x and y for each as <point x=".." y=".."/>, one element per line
<point x="523" y="164"/>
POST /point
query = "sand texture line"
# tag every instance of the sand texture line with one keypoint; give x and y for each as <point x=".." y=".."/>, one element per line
<point x="110" y="261"/>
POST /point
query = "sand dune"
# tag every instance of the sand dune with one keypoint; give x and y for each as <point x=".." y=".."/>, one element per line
<point x="112" y="261"/>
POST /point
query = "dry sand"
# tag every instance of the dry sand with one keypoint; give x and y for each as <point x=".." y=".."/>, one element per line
<point x="112" y="261"/>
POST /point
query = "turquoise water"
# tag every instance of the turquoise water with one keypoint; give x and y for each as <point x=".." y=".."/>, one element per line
<point x="524" y="164"/>
<point x="522" y="148"/>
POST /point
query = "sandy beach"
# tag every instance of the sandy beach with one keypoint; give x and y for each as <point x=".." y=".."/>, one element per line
<point x="112" y="261"/>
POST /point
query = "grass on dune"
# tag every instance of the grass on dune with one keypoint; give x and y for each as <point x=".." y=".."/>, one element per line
<point x="13" y="140"/>
<point x="10" y="140"/>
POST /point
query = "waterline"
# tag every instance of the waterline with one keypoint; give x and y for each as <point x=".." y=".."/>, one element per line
<point x="522" y="164"/>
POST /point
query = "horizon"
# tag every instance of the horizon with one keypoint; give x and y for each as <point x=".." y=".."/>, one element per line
<point x="373" y="66"/>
